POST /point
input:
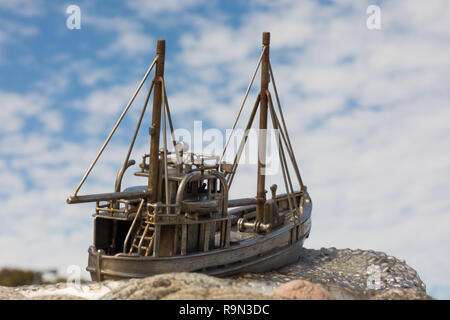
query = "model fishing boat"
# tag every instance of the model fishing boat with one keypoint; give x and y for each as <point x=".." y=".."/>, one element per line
<point x="182" y="219"/>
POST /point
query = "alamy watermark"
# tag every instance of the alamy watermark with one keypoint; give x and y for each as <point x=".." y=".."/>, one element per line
<point x="73" y="280"/>
<point x="373" y="21"/>
<point x="73" y="276"/>
<point x="374" y="279"/>
<point x="74" y="19"/>
<point x="209" y="144"/>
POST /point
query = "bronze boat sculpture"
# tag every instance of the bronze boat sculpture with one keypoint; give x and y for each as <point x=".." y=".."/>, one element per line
<point x="182" y="219"/>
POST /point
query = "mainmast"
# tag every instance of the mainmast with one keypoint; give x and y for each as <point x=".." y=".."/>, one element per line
<point x="261" y="192"/>
<point x="155" y="129"/>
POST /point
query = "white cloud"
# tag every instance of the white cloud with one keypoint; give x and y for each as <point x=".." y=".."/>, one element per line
<point x="18" y="29"/>
<point x="26" y="8"/>
<point x="70" y="72"/>
<point x="52" y="120"/>
<point x="10" y="32"/>
<point x="106" y="104"/>
<point x="35" y="214"/>
<point x="13" y="182"/>
<point x="131" y="40"/>
<point x="376" y="168"/>
<point x="367" y="112"/>
<point x="215" y="44"/>
<point x="150" y="8"/>
<point x="89" y="74"/>
<point x="17" y="108"/>
<point x="132" y="43"/>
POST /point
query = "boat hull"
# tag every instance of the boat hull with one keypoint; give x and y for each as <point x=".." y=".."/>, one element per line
<point x="264" y="253"/>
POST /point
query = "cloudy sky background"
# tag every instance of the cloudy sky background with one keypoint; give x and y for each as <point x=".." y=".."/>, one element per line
<point x="367" y="110"/>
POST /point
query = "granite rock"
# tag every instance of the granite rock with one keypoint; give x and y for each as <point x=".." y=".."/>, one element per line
<point x="183" y="286"/>
<point x="302" y="290"/>
<point x="327" y="273"/>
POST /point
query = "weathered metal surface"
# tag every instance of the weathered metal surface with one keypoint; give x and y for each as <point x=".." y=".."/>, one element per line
<point x="182" y="220"/>
<point x="122" y="266"/>
<point x="261" y="174"/>
<point x="156" y="122"/>
<point x="241" y="202"/>
<point x="109" y="196"/>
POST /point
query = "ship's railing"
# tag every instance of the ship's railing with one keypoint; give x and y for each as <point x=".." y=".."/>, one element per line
<point x="160" y="208"/>
<point x="207" y="227"/>
<point x="193" y="161"/>
<point x="111" y="207"/>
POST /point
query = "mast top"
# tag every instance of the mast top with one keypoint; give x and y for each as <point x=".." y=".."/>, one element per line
<point x="160" y="51"/>
<point x="161" y="47"/>
<point x="266" y="38"/>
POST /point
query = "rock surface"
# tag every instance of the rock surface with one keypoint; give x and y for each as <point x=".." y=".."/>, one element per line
<point x="183" y="286"/>
<point x="319" y="274"/>
<point x="302" y="290"/>
<point x="347" y="274"/>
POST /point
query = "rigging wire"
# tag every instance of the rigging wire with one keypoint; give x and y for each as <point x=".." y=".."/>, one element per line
<point x="133" y="140"/>
<point x="115" y="126"/>
<point x="288" y="145"/>
<point x="242" y="103"/>
<point x="166" y="178"/>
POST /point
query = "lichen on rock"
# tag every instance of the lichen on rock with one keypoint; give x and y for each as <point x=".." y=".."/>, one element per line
<point x="182" y="286"/>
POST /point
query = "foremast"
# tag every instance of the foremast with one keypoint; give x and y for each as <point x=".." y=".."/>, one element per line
<point x="155" y="129"/>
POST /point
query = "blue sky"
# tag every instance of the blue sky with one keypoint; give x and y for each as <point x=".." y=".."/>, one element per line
<point x="367" y="111"/>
